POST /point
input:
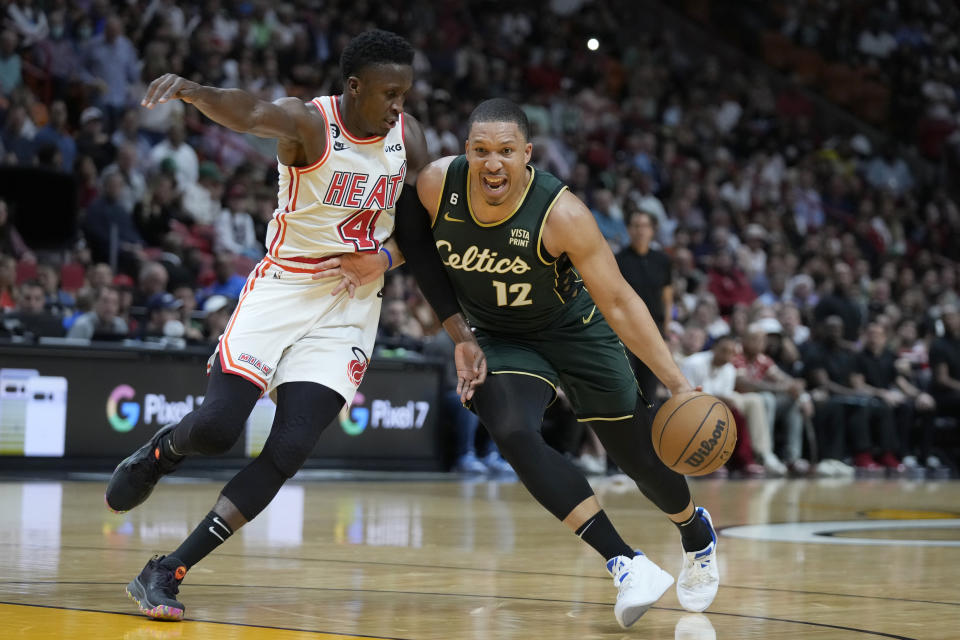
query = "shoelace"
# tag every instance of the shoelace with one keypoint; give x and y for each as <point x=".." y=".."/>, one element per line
<point x="699" y="570"/>
<point x="627" y="580"/>
<point x="166" y="580"/>
<point x="168" y="583"/>
<point x="625" y="576"/>
<point x="621" y="569"/>
<point x="147" y="461"/>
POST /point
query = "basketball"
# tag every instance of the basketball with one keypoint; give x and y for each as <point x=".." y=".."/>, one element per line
<point x="694" y="433"/>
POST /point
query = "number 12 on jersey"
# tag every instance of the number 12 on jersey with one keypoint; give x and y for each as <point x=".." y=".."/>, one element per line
<point x="358" y="229"/>
<point x="520" y="289"/>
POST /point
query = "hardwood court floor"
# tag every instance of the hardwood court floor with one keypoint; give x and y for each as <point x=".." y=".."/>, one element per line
<point x="477" y="560"/>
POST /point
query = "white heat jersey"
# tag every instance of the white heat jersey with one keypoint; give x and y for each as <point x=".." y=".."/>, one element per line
<point x="345" y="201"/>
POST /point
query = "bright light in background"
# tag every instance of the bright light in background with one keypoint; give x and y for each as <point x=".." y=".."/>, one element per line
<point x="593" y="44"/>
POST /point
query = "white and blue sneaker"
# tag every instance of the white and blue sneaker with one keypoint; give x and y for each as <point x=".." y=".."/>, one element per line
<point x="469" y="463"/>
<point x="640" y="583"/>
<point x="495" y="464"/>
<point x="700" y="576"/>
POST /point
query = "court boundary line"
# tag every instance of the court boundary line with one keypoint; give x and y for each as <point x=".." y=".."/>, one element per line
<point x="487" y="570"/>
<point x="229" y="624"/>
<point x="882" y="634"/>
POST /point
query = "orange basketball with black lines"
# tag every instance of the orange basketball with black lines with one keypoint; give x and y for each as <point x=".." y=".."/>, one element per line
<point x="694" y="433"/>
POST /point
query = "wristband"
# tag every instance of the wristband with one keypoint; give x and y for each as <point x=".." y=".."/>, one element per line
<point x="389" y="258"/>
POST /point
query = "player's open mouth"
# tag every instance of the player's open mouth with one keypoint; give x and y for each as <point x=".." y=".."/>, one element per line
<point x="494" y="185"/>
<point x="391" y="122"/>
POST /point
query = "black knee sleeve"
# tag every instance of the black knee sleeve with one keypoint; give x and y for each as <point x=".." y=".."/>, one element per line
<point x="287" y="448"/>
<point x="214" y="426"/>
<point x="254" y="487"/>
<point x="304" y="409"/>
<point x="629" y="444"/>
<point x="511" y="408"/>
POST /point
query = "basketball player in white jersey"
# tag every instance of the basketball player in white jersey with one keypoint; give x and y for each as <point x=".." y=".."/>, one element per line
<point x="343" y="161"/>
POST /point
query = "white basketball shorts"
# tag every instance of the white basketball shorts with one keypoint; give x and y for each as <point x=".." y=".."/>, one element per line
<point x="288" y="328"/>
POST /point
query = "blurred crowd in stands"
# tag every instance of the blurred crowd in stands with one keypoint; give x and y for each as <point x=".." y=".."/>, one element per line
<point x="806" y="270"/>
<point x="896" y="64"/>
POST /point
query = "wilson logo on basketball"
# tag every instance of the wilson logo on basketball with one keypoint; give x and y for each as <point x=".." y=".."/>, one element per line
<point x="706" y="446"/>
<point x="356" y="368"/>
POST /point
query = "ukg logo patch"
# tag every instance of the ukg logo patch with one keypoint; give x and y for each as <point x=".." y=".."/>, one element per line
<point x="354" y="419"/>
<point x="122" y="416"/>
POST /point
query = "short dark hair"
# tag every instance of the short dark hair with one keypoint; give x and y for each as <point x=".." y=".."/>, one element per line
<point x="633" y="213"/>
<point x="107" y="288"/>
<point x="727" y="337"/>
<point x="32" y="283"/>
<point x="374" y="47"/>
<point x="500" y="110"/>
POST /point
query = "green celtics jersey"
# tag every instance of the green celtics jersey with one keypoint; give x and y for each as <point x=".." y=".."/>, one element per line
<point x="505" y="279"/>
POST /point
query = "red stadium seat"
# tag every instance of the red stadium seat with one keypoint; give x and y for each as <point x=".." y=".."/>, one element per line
<point x="26" y="271"/>
<point x="72" y="276"/>
<point x="839" y="81"/>
<point x="777" y="49"/>
<point x="243" y="265"/>
<point x="807" y="66"/>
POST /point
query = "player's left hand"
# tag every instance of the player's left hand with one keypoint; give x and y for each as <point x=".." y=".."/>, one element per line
<point x="353" y="269"/>
<point x="471" y="368"/>
<point x="683" y="387"/>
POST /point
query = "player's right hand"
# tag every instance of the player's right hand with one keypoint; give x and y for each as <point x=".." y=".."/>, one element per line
<point x="353" y="269"/>
<point x="169" y="86"/>
<point x="471" y="366"/>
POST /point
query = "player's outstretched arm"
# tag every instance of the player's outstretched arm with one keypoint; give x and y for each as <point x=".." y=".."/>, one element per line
<point x="234" y="108"/>
<point x="415" y="240"/>
<point x="571" y="229"/>
<point x="413" y="243"/>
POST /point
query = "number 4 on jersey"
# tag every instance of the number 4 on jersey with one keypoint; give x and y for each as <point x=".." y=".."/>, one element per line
<point x="358" y="229"/>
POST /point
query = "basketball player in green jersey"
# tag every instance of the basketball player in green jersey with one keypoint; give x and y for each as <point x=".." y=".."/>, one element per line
<point x="545" y="297"/>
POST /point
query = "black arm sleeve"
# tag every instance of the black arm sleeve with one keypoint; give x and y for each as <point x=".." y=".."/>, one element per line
<point x="415" y="240"/>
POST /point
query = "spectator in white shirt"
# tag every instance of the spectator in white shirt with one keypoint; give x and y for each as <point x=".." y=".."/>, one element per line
<point x="233" y="228"/>
<point x="201" y="199"/>
<point x="134" y="184"/>
<point x="876" y="42"/>
<point x="182" y="154"/>
<point x="714" y="372"/>
<point x="29" y="21"/>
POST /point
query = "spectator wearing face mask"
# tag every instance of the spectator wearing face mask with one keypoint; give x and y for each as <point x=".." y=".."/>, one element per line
<point x="163" y="317"/>
<point x="216" y="315"/>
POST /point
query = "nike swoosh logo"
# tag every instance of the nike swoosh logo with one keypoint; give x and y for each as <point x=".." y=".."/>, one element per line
<point x="214" y="532"/>
<point x="589" y="317"/>
<point x="218" y="521"/>
<point x="446" y="216"/>
<point x="585" y="530"/>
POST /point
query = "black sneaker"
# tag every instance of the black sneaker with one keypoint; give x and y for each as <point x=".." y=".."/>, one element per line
<point x="133" y="480"/>
<point x="155" y="589"/>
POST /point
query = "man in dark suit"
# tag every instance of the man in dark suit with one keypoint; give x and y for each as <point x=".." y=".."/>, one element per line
<point x="650" y="273"/>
